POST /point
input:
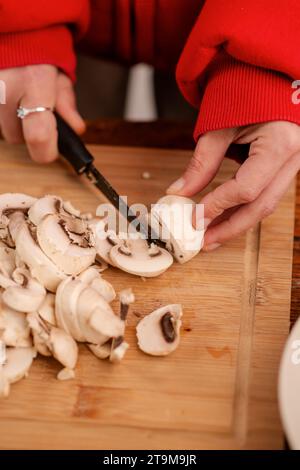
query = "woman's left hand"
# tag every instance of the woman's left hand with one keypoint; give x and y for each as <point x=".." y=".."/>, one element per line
<point x="257" y="187"/>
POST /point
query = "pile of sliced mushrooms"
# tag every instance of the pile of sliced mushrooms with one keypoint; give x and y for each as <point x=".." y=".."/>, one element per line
<point x="53" y="294"/>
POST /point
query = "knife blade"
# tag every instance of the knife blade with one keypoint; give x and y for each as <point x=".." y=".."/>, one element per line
<point x="75" y="152"/>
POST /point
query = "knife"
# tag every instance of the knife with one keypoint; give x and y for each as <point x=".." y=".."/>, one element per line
<point x="75" y="152"/>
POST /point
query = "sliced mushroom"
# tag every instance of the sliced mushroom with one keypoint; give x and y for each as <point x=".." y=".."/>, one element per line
<point x="62" y="346"/>
<point x="44" y="206"/>
<point x="47" y="309"/>
<point x="28" y="250"/>
<point x="102" y="351"/>
<point x="83" y="312"/>
<point x="96" y="318"/>
<point x="174" y="215"/>
<point x="104" y="239"/>
<point x="25" y="294"/>
<point x="135" y="257"/>
<point x="7" y="260"/>
<point x="93" y="278"/>
<point x="17" y="365"/>
<point x="12" y="202"/>
<point x="40" y="345"/>
<point x="14" y="329"/>
<point x="67" y="242"/>
<point x="158" y="332"/>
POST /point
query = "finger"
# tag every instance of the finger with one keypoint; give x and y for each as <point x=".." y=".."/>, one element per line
<point x="203" y="166"/>
<point x="39" y="129"/>
<point x="250" y="180"/>
<point x="250" y="214"/>
<point x="10" y="124"/>
<point x="66" y="104"/>
<point x="11" y="128"/>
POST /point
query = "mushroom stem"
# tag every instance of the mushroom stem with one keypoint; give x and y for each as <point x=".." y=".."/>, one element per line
<point x="126" y="297"/>
<point x="2" y="353"/>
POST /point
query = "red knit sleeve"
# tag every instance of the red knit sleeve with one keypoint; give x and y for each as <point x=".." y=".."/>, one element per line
<point x="239" y="63"/>
<point x="41" y="32"/>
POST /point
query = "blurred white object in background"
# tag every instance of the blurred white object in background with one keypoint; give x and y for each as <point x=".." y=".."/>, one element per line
<point x="140" y="102"/>
<point x="289" y="388"/>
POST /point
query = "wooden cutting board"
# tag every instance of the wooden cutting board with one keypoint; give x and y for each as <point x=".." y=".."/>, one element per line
<point x="218" y="390"/>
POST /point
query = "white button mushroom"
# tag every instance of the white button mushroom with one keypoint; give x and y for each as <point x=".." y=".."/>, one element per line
<point x="158" y="333"/>
<point x="174" y="215"/>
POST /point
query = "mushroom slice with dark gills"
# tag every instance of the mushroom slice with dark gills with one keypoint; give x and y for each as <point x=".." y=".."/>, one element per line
<point x="158" y="333"/>
<point x="49" y="205"/>
<point x="67" y="242"/>
<point x="10" y="203"/>
<point x="136" y="257"/>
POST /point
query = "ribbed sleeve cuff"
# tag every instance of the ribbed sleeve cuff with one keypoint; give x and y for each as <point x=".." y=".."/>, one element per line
<point x="239" y="94"/>
<point x="52" y="45"/>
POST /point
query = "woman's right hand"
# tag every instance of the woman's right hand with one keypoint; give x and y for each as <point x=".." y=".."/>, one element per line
<point x="31" y="86"/>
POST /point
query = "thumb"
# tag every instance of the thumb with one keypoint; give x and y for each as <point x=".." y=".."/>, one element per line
<point x="66" y="104"/>
<point x="204" y="164"/>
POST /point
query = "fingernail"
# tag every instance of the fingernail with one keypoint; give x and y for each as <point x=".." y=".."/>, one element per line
<point x="176" y="187"/>
<point x="211" y="247"/>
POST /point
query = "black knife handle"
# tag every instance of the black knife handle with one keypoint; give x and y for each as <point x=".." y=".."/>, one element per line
<point x="71" y="146"/>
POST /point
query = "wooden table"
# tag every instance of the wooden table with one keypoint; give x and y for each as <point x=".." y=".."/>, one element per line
<point x="168" y="134"/>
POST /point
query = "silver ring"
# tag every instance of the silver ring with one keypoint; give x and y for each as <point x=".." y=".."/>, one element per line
<point x="22" y="112"/>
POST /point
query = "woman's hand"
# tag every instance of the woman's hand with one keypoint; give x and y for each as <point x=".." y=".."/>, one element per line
<point x="254" y="192"/>
<point x="37" y="85"/>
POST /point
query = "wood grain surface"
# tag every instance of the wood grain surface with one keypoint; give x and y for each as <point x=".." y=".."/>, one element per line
<point x="218" y="390"/>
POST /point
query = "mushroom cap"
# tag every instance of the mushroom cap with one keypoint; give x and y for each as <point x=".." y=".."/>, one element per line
<point x="63" y="247"/>
<point x="135" y="257"/>
<point x="174" y="213"/>
<point x="151" y="338"/>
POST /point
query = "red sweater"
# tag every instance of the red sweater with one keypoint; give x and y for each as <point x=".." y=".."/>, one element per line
<point x="236" y="59"/>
